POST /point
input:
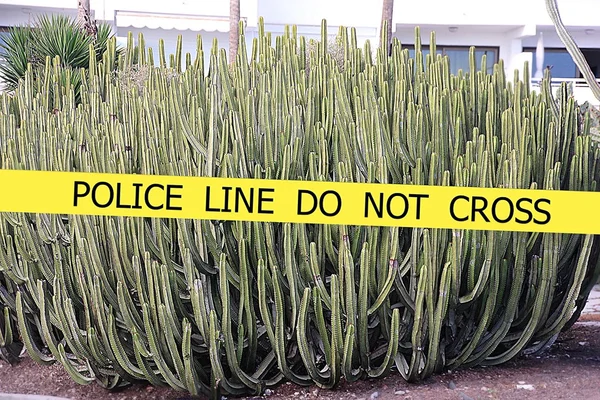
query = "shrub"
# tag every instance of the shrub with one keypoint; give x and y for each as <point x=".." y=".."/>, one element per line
<point x="50" y="36"/>
<point x="235" y="307"/>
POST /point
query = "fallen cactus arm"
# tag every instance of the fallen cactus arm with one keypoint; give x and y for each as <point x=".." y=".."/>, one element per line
<point x="212" y="307"/>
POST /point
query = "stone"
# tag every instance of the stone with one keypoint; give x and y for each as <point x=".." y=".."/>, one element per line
<point x="525" y="387"/>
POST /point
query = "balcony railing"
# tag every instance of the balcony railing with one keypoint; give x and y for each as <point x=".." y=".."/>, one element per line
<point x="581" y="90"/>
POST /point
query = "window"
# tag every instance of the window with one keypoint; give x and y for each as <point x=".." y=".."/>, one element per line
<point x="459" y="56"/>
<point x="561" y="63"/>
<point x="558" y="60"/>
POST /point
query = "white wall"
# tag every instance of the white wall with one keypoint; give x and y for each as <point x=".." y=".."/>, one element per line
<point x="10" y="15"/>
<point x="356" y="13"/>
<point x="493" y="12"/>
<point x="42" y="3"/>
<point x="582" y="39"/>
<point x="307" y="15"/>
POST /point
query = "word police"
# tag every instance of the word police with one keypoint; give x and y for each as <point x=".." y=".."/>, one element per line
<point x="153" y="197"/>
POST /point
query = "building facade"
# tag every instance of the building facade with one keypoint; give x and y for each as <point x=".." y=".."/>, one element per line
<point x="511" y="30"/>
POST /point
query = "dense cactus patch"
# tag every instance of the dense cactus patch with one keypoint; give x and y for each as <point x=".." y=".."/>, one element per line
<point x="236" y="307"/>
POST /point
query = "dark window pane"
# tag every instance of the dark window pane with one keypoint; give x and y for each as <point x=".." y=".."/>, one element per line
<point x="424" y="51"/>
<point x="561" y="63"/>
<point x="490" y="59"/>
<point x="459" y="57"/>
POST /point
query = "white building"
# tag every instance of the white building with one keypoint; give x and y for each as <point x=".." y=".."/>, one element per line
<point x="507" y="29"/>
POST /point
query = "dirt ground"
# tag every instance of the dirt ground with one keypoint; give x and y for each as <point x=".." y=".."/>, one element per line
<point x="569" y="370"/>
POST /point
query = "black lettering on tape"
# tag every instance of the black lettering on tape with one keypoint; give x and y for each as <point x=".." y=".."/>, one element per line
<point x="77" y="193"/>
<point x="171" y="195"/>
<point x="419" y="197"/>
<point x="226" y="208"/>
<point x="378" y="209"/>
<point x="207" y="206"/>
<point x="111" y="194"/>
<point x="137" y="195"/>
<point x="523" y="210"/>
<point x="338" y="207"/>
<point x="542" y="211"/>
<point x="479" y="209"/>
<point x="453" y="213"/>
<point x="249" y="203"/>
<point x="262" y="199"/>
<point x="495" y="211"/>
<point x="301" y="193"/>
<point x="389" y="206"/>
<point x="119" y="205"/>
<point x="147" y="196"/>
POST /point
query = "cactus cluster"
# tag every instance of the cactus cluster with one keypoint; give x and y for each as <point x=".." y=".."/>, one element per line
<point x="219" y="307"/>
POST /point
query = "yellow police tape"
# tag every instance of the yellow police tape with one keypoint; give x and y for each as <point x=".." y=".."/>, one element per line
<point x="306" y="202"/>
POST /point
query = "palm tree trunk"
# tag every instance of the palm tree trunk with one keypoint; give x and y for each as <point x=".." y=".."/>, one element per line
<point x="386" y="19"/>
<point x="234" y="24"/>
<point x="84" y="17"/>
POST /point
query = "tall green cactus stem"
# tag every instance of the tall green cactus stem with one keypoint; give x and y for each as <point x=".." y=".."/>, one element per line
<point x="572" y="48"/>
<point x="215" y="307"/>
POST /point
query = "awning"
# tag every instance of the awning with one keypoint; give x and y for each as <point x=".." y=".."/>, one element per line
<point x="180" y="22"/>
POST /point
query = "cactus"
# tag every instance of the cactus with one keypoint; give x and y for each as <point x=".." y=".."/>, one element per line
<point x="10" y="346"/>
<point x="212" y="307"/>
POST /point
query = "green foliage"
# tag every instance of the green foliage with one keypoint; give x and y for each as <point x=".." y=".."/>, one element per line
<point x="234" y="307"/>
<point x="10" y="346"/>
<point x="51" y="36"/>
<point x="16" y="52"/>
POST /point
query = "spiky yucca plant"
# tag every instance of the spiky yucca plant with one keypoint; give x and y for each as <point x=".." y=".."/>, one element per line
<point x="235" y="307"/>
<point x="53" y="35"/>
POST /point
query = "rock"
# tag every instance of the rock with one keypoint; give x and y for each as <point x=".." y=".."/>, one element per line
<point x="451" y="385"/>
<point x="269" y="392"/>
<point x="525" y="387"/>
<point x="465" y="397"/>
<point x="374" y="395"/>
<point x="484" y="389"/>
<point x="399" y="392"/>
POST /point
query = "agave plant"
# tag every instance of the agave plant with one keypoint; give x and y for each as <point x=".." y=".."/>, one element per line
<point x="235" y="307"/>
<point x="50" y="36"/>
<point x="16" y="54"/>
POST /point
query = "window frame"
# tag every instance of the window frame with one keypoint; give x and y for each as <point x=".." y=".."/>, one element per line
<point x="495" y="50"/>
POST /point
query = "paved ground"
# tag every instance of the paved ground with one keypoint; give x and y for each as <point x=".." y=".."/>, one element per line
<point x="593" y="304"/>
